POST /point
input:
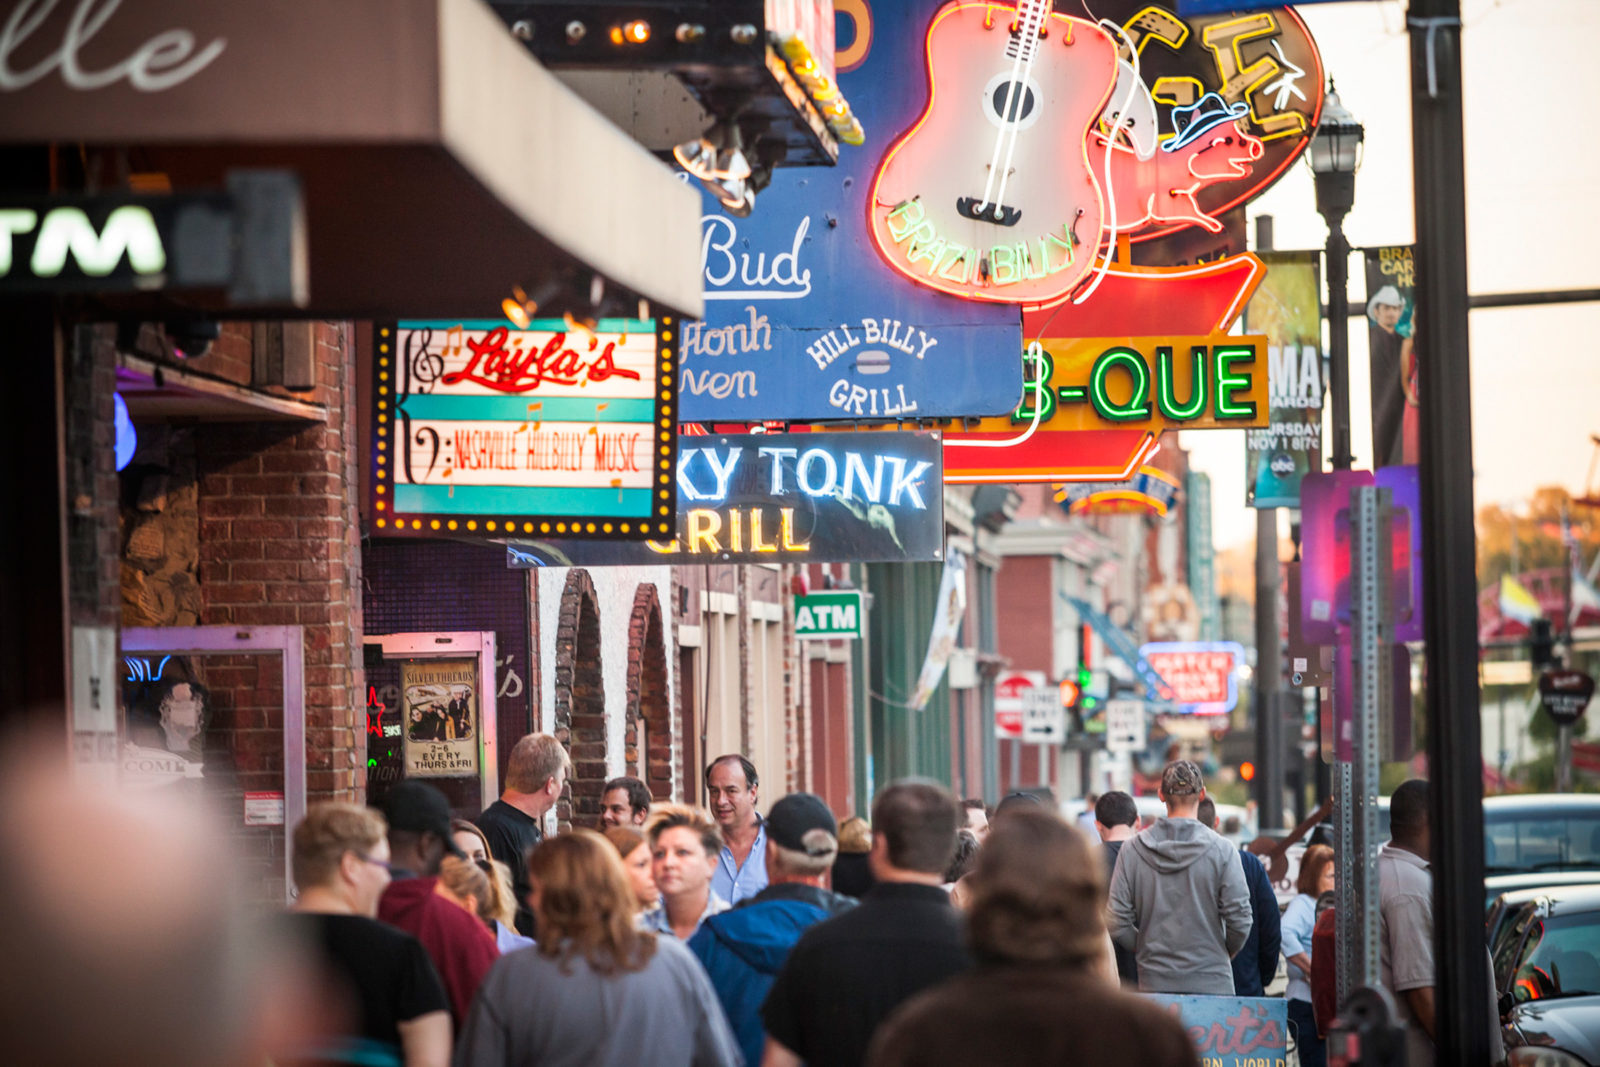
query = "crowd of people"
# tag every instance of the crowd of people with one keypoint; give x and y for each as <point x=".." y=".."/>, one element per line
<point x="939" y="932"/>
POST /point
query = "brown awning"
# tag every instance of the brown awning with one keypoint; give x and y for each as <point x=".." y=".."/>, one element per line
<point x="441" y="163"/>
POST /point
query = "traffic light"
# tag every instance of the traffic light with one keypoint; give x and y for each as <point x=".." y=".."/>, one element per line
<point x="1541" y="644"/>
<point x="1247" y="771"/>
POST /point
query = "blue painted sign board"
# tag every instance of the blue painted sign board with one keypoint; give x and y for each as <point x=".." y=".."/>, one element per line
<point x="804" y="320"/>
<point x="1233" y="1031"/>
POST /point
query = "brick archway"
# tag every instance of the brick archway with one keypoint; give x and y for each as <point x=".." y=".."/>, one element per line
<point x="649" y="711"/>
<point x="580" y="699"/>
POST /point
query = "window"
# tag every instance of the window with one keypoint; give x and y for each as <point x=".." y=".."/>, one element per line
<point x="1537" y="841"/>
<point x="1560" y="957"/>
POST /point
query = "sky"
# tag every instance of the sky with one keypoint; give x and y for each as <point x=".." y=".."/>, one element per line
<point x="1532" y="223"/>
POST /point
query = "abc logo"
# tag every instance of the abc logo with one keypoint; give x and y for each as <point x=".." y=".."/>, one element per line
<point x="1281" y="464"/>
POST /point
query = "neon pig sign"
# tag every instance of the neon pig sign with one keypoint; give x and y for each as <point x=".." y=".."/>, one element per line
<point x="1141" y="125"/>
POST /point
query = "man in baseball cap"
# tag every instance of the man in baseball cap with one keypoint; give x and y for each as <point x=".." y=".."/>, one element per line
<point x="743" y="949"/>
<point x="1179" y="900"/>
<point x="460" y="946"/>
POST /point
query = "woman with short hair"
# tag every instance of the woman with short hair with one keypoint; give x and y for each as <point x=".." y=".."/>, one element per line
<point x="597" y="991"/>
<point x="1036" y="930"/>
<point x="685" y="844"/>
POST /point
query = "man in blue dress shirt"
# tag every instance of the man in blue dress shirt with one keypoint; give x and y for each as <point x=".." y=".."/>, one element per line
<point x="731" y="791"/>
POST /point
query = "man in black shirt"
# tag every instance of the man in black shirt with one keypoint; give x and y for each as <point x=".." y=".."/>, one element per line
<point x="535" y="776"/>
<point x="847" y="974"/>
<point x="380" y="977"/>
<point x="1116" y="817"/>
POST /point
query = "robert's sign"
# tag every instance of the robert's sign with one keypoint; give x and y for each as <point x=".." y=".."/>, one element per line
<point x="768" y="498"/>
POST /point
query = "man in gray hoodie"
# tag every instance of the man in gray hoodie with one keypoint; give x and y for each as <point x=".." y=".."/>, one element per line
<point x="1178" y="896"/>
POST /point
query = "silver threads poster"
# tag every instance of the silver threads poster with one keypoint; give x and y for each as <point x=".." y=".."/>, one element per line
<point x="439" y="699"/>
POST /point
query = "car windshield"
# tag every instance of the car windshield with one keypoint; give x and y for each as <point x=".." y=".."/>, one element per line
<point x="1559" y="957"/>
<point x="1541" y="841"/>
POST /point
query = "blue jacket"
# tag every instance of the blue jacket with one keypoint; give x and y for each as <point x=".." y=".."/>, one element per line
<point x="1257" y="963"/>
<point x="744" y="948"/>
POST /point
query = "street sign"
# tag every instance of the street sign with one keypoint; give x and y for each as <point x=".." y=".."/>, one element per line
<point x="828" y="615"/>
<point x="1011" y="702"/>
<point x="1044" y="720"/>
<point x="1565" y="695"/>
<point x="1125" y="726"/>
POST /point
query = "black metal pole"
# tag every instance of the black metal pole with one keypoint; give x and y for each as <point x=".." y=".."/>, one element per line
<point x="1463" y="1009"/>
<point x="1338" y="257"/>
<point x="1269" y="646"/>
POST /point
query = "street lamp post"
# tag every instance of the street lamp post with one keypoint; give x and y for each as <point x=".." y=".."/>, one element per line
<point x="1335" y="156"/>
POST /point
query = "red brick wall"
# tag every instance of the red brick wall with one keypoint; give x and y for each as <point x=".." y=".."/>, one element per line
<point x="1025" y="594"/>
<point x="279" y="545"/>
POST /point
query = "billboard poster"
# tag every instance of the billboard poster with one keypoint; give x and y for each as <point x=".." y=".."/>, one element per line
<point x="785" y="498"/>
<point x="1287" y="308"/>
<point x="1391" y="344"/>
<point x="804" y="320"/>
<point x="439" y="716"/>
<point x="482" y="428"/>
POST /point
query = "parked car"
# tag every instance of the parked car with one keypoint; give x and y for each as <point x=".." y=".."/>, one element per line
<point x="1507" y="905"/>
<point x="1536" y="839"/>
<point x="1547" y="975"/>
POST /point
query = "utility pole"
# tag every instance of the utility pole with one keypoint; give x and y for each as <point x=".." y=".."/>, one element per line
<point x="1463" y="1007"/>
<point x="1269" y="645"/>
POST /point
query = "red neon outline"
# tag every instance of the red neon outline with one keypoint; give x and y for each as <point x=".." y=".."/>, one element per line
<point x="1147" y="448"/>
<point x="1258" y="271"/>
<point x="888" y="157"/>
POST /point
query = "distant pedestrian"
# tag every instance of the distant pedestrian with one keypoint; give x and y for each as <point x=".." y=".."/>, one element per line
<point x="536" y="773"/>
<point x="398" y="1011"/>
<point x="732" y="789"/>
<point x="1299" y="923"/>
<point x="1179" y="898"/>
<point x="744" y="948"/>
<point x="1405" y="906"/>
<point x="634" y="848"/>
<point x="852" y="870"/>
<point x="624" y="802"/>
<point x="684" y="843"/>
<point x="1256" y="965"/>
<point x="597" y="991"/>
<point x="1085" y="820"/>
<point x="1036" y="931"/>
<point x="848" y="973"/>
<point x="461" y="948"/>
<point x="1116" y="818"/>
<point x="977" y="813"/>
<point x="955" y="875"/>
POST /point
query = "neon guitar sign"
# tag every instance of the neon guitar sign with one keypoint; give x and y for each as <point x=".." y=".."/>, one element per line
<point x="1015" y="214"/>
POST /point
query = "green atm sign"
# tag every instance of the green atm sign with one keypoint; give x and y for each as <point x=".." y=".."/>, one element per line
<point x="825" y="615"/>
